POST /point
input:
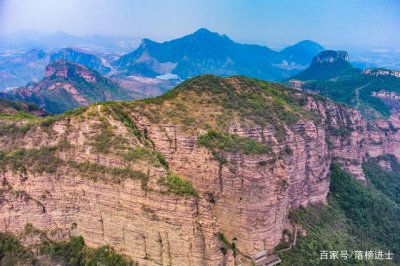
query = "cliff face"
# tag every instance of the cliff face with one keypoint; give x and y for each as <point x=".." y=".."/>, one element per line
<point x="100" y="197"/>
<point x="245" y="194"/>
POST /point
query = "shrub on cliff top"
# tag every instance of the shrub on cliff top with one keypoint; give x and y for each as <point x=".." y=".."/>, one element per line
<point x="223" y="141"/>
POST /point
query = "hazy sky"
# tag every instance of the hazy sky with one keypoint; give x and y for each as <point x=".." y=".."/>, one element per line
<point x="278" y="22"/>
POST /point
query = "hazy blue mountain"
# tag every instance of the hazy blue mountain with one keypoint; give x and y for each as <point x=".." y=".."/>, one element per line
<point x="205" y="52"/>
<point x="302" y="52"/>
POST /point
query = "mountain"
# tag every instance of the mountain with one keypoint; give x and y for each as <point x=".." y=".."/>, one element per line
<point x="81" y="57"/>
<point x="374" y="91"/>
<point x="205" y="52"/>
<point x="217" y="171"/>
<point x="328" y="65"/>
<point x="302" y="52"/>
<point x="68" y="85"/>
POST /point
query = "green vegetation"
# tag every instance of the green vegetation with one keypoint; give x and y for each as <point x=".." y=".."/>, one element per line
<point x="387" y="181"/>
<point x="45" y="160"/>
<point x="327" y="71"/>
<point x="41" y="160"/>
<point x="221" y="141"/>
<point x="13" y="130"/>
<point x="70" y="253"/>
<point x="120" y="115"/>
<point x="12" y="252"/>
<point x="177" y="185"/>
<point x="20" y="115"/>
<point x="341" y="131"/>
<point x="75" y="253"/>
<point x="223" y="100"/>
<point x="357" y="90"/>
<point x="106" y="140"/>
<point x="97" y="171"/>
<point x="146" y="154"/>
<point x="357" y="218"/>
<point x="227" y="245"/>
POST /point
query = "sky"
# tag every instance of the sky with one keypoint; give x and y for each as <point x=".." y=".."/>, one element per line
<point x="273" y="23"/>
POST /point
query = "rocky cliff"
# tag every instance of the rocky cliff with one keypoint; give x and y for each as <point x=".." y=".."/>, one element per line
<point x="176" y="180"/>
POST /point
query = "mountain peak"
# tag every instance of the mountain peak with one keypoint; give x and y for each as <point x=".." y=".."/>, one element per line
<point x="203" y="32"/>
<point x="330" y="56"/>
<point x="327" y="65"/>
<point x="302" y="52"/>
<point x="309" y="45"/>
<point x="146" y="42"/>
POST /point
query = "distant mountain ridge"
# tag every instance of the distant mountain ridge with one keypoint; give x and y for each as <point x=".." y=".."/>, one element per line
<point x="203" y="52"/>
<point x="206" y="52"/>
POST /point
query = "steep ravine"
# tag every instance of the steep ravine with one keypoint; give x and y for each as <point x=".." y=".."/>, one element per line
<point x="244" y="195"/>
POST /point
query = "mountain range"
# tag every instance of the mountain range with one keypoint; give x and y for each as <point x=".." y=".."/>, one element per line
<point x="205" y="52"/>
<point x="202" y="52"/>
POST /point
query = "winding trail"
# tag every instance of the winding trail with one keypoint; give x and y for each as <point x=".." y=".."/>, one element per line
<point x="357" y="92"/>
